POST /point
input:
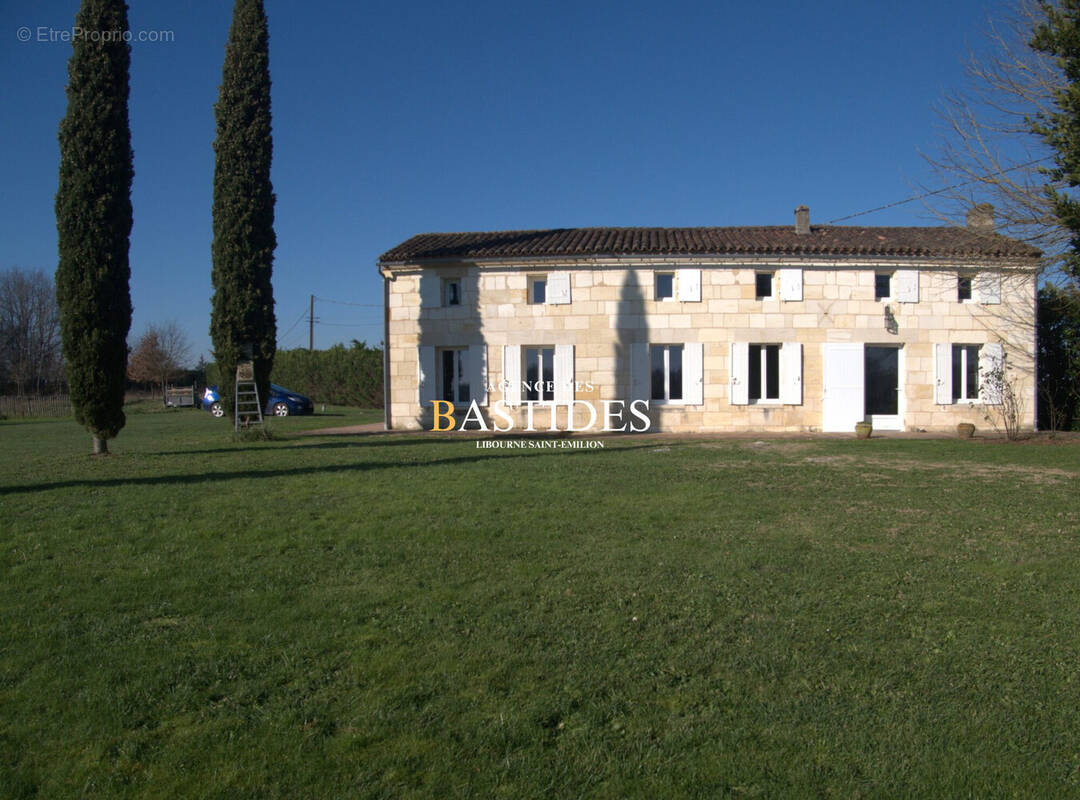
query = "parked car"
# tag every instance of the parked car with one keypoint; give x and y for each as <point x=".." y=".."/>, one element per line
<point x="280" y="403"/>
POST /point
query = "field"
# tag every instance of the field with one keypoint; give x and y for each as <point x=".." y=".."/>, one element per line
<point x="394" y="616"/>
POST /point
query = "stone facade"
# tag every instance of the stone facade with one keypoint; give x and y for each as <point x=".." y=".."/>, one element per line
<point x="741" y="344"/>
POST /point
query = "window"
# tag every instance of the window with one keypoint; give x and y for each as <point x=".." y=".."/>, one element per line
<point x="665" y="285"/>
<point x="963" y="288"/>
<point x="451" y="292"/>
<point x="764" y="372"/>
<point x="666" y="363"/>
<point x="539" y="374"/>
<point x="882" y="285"/>
<point x="538" y="289"/>
<point x="453" y="378"/>
<point x="763" y="284"/>
<point x="965" y="372"/>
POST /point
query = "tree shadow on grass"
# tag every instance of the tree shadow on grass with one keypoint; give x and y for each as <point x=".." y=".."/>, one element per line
<point x="195" y="479"/>
<point x="385" y="439"/>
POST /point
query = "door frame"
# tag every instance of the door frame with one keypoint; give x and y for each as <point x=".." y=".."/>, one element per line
<point x="889" y="422"/>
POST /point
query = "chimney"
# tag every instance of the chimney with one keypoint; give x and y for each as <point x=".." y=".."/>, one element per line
<point x="802" y="220"/>
<point x="980" y="218"/>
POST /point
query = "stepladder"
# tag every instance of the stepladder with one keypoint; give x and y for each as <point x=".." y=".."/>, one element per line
<point x="247" y="407"/>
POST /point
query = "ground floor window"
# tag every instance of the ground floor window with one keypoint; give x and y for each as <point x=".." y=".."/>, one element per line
<point x="965" y="372"/>
<point x="666" y="371"/>
<point x="764" y="372"/>
<point x="453" y="375"/>
<point x="539" y="374"/>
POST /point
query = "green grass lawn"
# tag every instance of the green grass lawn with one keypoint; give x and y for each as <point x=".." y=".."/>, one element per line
<point x="398" y="616"/>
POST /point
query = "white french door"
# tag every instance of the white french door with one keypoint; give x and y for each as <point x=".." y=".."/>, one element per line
<point x="842" y="382"/>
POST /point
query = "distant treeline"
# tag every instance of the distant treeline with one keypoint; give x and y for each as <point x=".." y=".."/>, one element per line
<point x="346" y="376"/>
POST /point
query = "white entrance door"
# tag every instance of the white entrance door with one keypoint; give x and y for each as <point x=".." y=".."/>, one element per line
<point x="842" y="381"/>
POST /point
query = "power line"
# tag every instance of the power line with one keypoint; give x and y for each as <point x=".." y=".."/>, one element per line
<point x="343" y="303"/>
<point x="303" y="314"/>
<point x="353" y="324"/>
<point x="937" y="191"/>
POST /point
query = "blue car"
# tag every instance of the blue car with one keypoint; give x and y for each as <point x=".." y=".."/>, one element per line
<point x="280" y="403"/>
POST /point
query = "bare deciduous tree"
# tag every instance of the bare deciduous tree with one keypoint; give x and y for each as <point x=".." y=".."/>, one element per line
<point x="160" y="355"/>
<point x="988" y="151"/>
<point x="29" y="331"/>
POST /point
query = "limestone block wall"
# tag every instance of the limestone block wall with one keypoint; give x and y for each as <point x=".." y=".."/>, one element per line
<point x="613" y="306"/>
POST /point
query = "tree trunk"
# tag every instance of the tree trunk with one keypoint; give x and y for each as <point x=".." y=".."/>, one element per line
<point x="101" y="446"/>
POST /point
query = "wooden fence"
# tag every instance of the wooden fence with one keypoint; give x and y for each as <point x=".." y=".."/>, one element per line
<point x="54" y="406"/>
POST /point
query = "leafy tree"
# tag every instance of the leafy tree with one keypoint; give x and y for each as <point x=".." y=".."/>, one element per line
<point x="159" y="356"/>
<point x="29" y="331"/>
<point x="243" y="208"/>
<point x="1058" y="36"/>
<point x="1059" y="357"/>
<point x="93" y="220"/>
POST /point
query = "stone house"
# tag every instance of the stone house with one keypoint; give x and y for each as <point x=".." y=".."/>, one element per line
<point x="797" y="328"/>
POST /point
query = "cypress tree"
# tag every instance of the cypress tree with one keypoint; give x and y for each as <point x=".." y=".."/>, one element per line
<point x="93" y="219"/>
<point x="243" y="247"/>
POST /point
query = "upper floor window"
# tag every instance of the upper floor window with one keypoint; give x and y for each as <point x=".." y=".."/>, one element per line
<point x="882" y="285"/>
<point x="963" y="288"/>
<point x="763" y="282"/>
<point x="451" y="292"/>
<point x="665" y="285"/>
<point x="538" y="289"/>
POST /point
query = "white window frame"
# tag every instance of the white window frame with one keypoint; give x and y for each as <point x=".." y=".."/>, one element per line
<point x="533" y="281"/>
<point x="656" y="286"/>
<point x="772" y="284"/>
<point x="970" y="278"/>
<point x="539" y="348"/>
<point x="763" y="361"/>
<point x="965" y="354"/>
<point x="460" y="370"/>
<point x="447" y="283"/>
<point x="790" y="377"/>
<point x="892" y="278"/>
<point x="666" y="399"/>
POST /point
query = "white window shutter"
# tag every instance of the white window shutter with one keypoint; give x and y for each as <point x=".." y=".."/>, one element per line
<point x="689" y="285"/>
<point x="511" y="375"/>
<point x="943" y="394"/>
<point x="791" y="284"/>
<point x="425" y="374"/>
<point x="476" y="369"/>
<point x="987" y="288"/>
<point x="906" y="285"/>
<point x="991" y="375"/>
<point x="564" y="374"/>
<point x="693" y="365"/>
<point x="640" y="379"/>
<point x="558" y="288"/>
<point x="791" y="374"/>
<point x="430" y="290"/>
<point x="740" y="373"/>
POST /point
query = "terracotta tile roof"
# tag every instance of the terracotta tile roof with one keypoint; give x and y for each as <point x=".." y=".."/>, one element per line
<point x="823" y="240"/>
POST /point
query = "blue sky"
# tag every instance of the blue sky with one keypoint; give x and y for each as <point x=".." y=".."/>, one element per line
<point x="396" y="118"/>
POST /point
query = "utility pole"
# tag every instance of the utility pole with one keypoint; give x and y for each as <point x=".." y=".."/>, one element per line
<point x="311" y="324"/>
